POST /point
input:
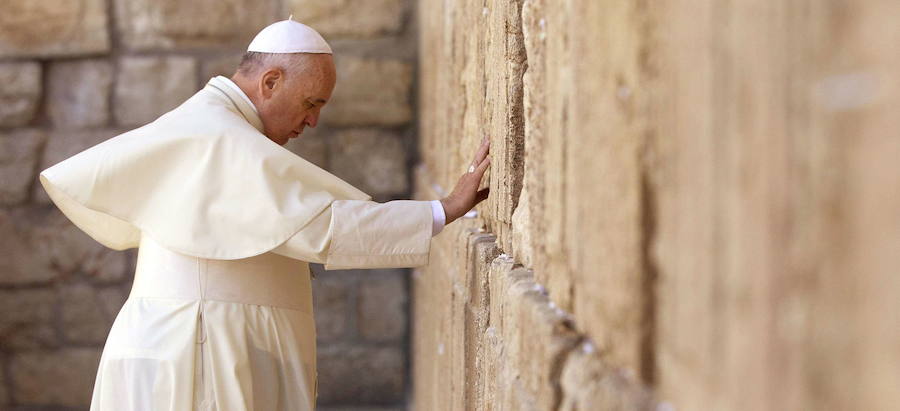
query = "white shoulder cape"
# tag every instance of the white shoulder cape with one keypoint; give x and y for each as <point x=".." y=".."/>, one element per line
<point x="201" y="180"/>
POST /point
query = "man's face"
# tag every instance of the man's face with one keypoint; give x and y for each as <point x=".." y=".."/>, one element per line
<point x="292" y="102"/>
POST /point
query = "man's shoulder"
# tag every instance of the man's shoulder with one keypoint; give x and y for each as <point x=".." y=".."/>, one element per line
<point x="203" y="114"/>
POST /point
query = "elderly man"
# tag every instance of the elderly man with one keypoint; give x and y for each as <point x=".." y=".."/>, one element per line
<point x="226" y="220"/>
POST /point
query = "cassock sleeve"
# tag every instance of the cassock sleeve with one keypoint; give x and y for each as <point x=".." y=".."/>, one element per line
<point x="365" y="234"/>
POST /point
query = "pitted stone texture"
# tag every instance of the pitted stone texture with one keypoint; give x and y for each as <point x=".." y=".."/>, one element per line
<point x="360" y="374"/>
<point x="18" y="159"/>
<point x="175" y="24"/>
<point x="112" y="299"/>
<point x="224" y="65"/>
<point x="20" y="94"/>
<point x="20" y="265"/>
<point x="4" y="395"/>
<point x="78" y="95"/>
<point x="62" y="377"/>
<point x="62" y="145"/>
<point x="82" y="318"/>
<point x="370" y="92"/>
<point x="148" y="87"/>
<point x="381" y="306"/>
<point x="372" y="160"/>
<point x="53" y="28"/>
<point x="67" y="249"/>
<point x="27" y="320"/>
<point x="44" y="246"/>
<point x="331" y="297"/>
<point x="312" y="145"/>
<point x="350" y="18"/>
<point x="587" y="384"/>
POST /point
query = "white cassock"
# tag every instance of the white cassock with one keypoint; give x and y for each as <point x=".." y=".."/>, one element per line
<point x="220" y="315"/>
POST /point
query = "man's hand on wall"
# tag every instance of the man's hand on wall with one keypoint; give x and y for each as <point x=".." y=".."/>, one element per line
<point x="466" y="194"/>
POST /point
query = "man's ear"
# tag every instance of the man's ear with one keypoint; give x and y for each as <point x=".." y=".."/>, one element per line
<point x="270" y="81"/>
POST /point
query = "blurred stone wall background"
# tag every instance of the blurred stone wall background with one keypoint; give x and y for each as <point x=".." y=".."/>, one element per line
<point x="76" y="72"/>
<point x="694" y="205"/>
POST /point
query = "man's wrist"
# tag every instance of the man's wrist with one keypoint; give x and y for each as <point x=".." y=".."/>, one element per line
<point x="448" y="214"/>
<point x="438" y="217"/>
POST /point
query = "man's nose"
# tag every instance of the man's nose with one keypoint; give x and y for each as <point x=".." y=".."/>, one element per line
<point x="311" y="120"/>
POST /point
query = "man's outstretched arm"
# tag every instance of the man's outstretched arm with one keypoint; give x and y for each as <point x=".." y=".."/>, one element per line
<point x="367" y="234"/>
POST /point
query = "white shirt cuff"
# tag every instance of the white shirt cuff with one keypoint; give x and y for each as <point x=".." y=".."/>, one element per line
<point x="438" y="216"/>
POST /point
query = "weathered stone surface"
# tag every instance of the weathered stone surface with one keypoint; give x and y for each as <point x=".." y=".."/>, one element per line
<point x="373" y="161"/>
<point x="43" y="246"/>
<point x="312" y="145"/>
<point x="173" y="24"/>
<point x="62" y="377"/>
<point x="586" y="384"/>
<point x="397" y="408"/>
<point x="112" y="299"/>
<point x="147" y="87"/>
<point x="53" y="28"/>
<point x="20" y="94"/>
<point x="4" y="395"/>
<point x="104" y="265"/>
<point x="20" y="265"/>
<point x="81" y="316"/>
<point x="27" y="318"/>
<point x="360" y="374"/>
<point x="224" y="65"/>
<point x="370" y="91"/>
<point x="62" y="144"/>
<point x="381" y="305"/>
<point x="331" y="298"/>
<point x="350" y="18"/>
<point x="78" y="94"/>
<point x="18" y="159"/>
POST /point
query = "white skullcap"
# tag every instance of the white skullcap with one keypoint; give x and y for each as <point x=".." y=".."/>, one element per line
<point x="289" y="36"/>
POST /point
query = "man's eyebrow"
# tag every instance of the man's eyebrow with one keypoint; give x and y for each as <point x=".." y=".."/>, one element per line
<point x="320" y="101"/>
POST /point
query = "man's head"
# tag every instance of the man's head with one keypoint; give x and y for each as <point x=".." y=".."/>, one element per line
<point x="288" y="89"/>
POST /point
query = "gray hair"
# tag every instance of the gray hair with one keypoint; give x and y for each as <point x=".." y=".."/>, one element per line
<point x="253" y="62"/>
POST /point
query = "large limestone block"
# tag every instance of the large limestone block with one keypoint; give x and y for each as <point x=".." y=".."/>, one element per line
<point x="312" y="145"/>
<point x="362" y="373"/>
<point x="588" y="384"/>
<point x="381" y="306"/>
<point x="18" y="158"/>
<point x="43" y="245"/>
<point x="350" y="18"/>
<point x="148" y="87"/>
<point x="369" y="92"/>
<point x="777" y="229"/>
<point x="20" y="94"/>
<point x="62" y="377"/>
<point x="175" y="24"/>
<point x="502" y="112"/>
<point x="331" y="304"/>
<point x="78" y="95"/>
<point x="53" y="28"/>
<point x="608" y="215"/>
<point x="28" y="317"/>
<point x="224" y="65"/>
<point x="83" y="320"/>
<point x="372" y="160"/>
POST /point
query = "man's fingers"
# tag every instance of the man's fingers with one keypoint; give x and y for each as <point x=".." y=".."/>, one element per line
<point x="482" y="195"/>
<point x="482" y="167"/>
<point x="483" y="150"/>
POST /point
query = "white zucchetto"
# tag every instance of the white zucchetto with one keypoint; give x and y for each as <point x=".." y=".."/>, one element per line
<point x="289" y="36"/>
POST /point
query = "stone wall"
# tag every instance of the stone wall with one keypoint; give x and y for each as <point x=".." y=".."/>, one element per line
<point x="694" y="205"/>
<point x="76" y="72"/>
